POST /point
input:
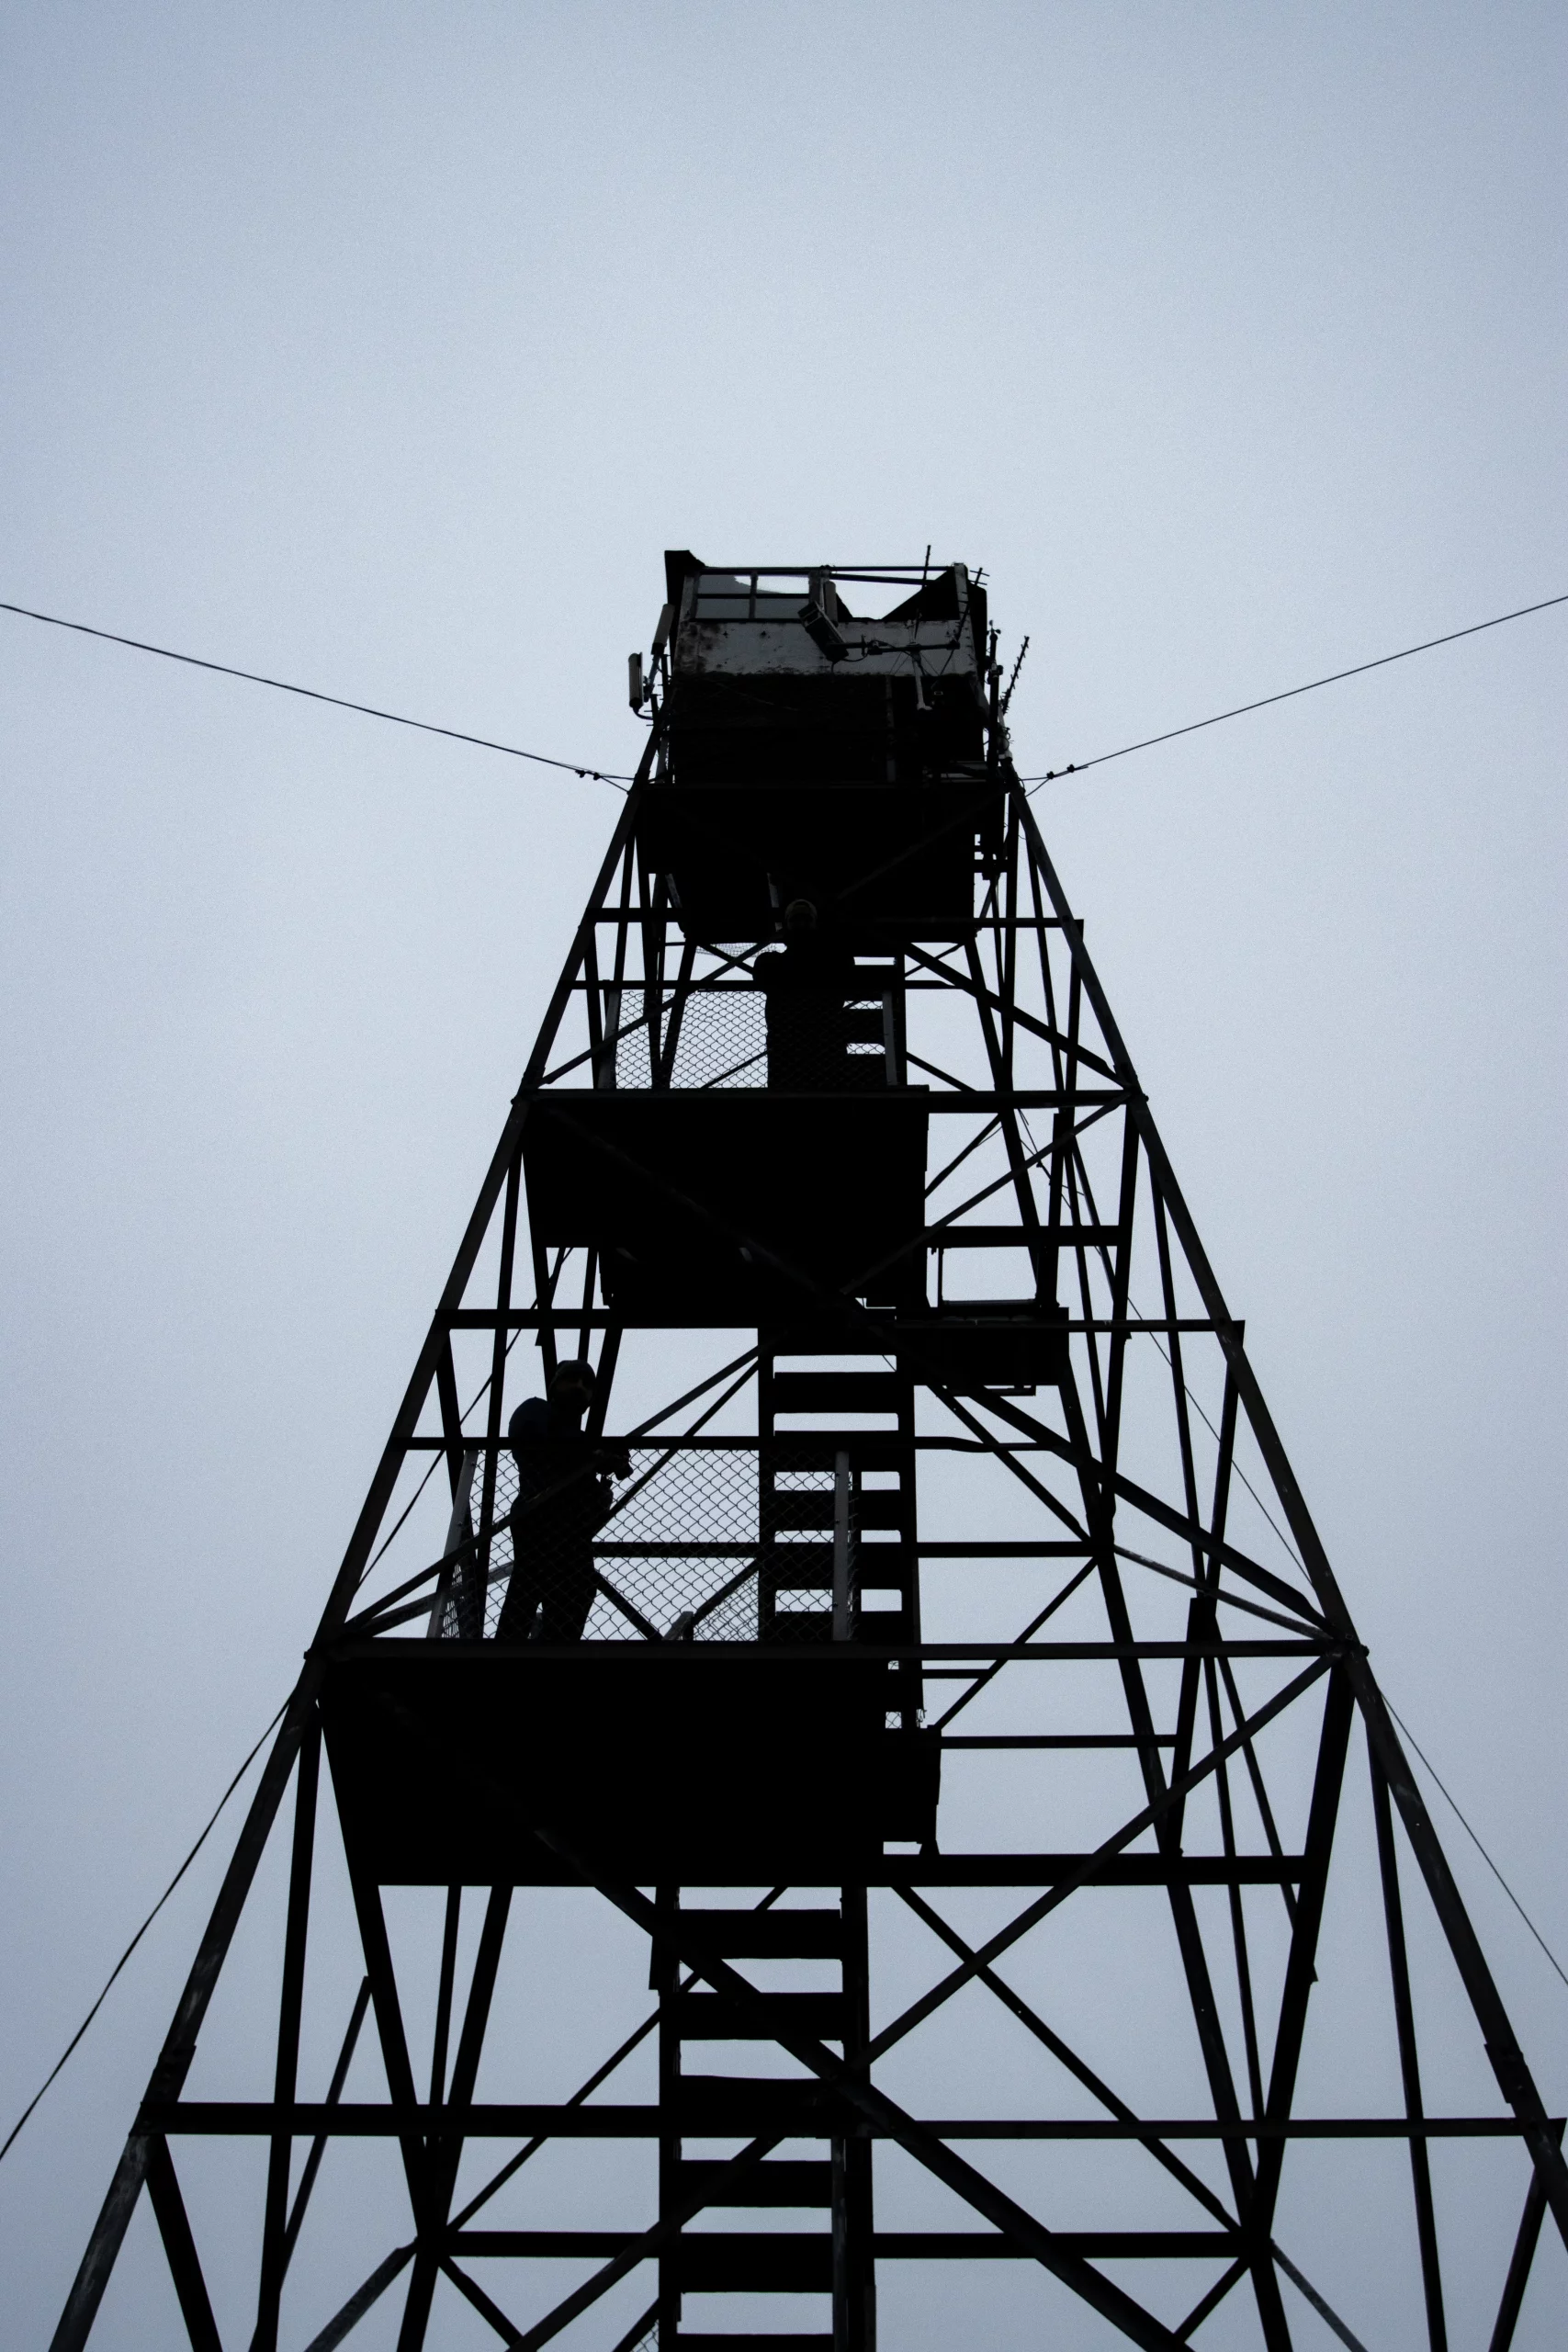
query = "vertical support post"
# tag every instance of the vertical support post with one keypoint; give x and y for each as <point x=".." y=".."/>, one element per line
<point x="451" y="1413"/>
<point x="589" y="1276"/>
<point x="1300" y="1972"/>
<point x="1238" y="1917"/>
<point x="842" y="1596"/>
<point x="664" y="1976"/>
<point x="498" y="1368"/>
<point x="604" y="1068"/>
<point x="604" y="1376"/>
<point x="615" y="989"/>
<point x="444" y="2154"/>
<point x="395" y="2059"/>
<point x="767" y="1500"/>
<point x="1062" y="1138"/>
<point x="319" y="2144"/>
<point x="1041" y="1255"/>
<point x="1006" y="976"/>
<point x="1410" y="2063"/>
<point x="1202" y="1621"/>
<point x="179" y="2246"/>
<point x="458" y="1583"/>
<point x="654" y="926"/>
<point x="593" y="1001"/>
<point x="546" y="1279"/>
<point x="909" y="1681"/>
<point x="1523" y="2256"/>
<point x="286" y="2074"/>
<point x="854" y="2262"/>
<point x="443" y="1994"/>
<point x="664" y="1068"/>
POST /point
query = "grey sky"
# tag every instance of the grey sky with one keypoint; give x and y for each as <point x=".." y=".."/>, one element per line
<point x="388" y="349"/>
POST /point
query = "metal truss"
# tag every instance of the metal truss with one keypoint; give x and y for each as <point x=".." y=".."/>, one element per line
<point x="1011" y="1460"/>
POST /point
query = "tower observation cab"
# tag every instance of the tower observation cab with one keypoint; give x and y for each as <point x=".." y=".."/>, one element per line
<point x="834" y="1521"/>
<point x="812" y="754"/>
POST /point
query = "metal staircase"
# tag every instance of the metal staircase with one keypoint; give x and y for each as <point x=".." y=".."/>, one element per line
<point x="833" y="2258"/>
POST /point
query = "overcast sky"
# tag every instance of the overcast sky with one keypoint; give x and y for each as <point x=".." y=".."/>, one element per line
<point x="386" y="349"/>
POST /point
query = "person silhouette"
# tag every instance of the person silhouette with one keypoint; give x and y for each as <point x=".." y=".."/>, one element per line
<point x="565" y="1493"/>
<point x="807" y="981"/>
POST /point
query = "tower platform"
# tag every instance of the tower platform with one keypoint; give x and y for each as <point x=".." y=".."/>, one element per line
<point x="705" y="1764"/>
<point x="698" y="1202"/>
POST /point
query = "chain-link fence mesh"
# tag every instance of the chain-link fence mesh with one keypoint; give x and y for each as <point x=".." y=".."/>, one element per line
<point x="647" y="2340"/>
<point x="721" y="1040"/>
<point x="709" y="1543"/>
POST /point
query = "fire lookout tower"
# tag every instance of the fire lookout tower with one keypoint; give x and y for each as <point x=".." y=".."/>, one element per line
<point x="947" y="1689"/>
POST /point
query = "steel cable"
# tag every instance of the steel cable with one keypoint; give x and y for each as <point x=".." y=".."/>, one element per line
<point x="314" y="694"/>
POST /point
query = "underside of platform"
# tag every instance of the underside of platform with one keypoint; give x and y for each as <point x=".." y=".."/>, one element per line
<point x="733" y="1207"/>
<point x="447" y="1760"/>
<point x="870" y="855"/>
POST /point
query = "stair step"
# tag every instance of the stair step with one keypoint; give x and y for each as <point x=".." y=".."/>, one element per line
<point x="799" y="1625"/>
<point x="744" y="2107"/>
<point x="877" y="1507"/>
<point x="883" y="1628"/>
<point x="754" y="2343"/>
<point x="819" y="1449"/>
<point x="836" y="1391"/>
<point x="769" y="1935"/>
<point x="808" y="1568"/>
<point x="783" y="2181"/>
<point x="707" y="2017"/>
<point x="729" y="2262"/>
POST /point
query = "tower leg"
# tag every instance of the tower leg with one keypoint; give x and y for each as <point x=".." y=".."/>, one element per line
<point x="854" y="2267"/>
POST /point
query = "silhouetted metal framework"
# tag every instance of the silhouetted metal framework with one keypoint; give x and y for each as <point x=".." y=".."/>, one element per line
<point x="979" y="1482"/>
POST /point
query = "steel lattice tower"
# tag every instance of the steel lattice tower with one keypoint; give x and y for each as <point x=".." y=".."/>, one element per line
<point x="966" y="1589"/>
